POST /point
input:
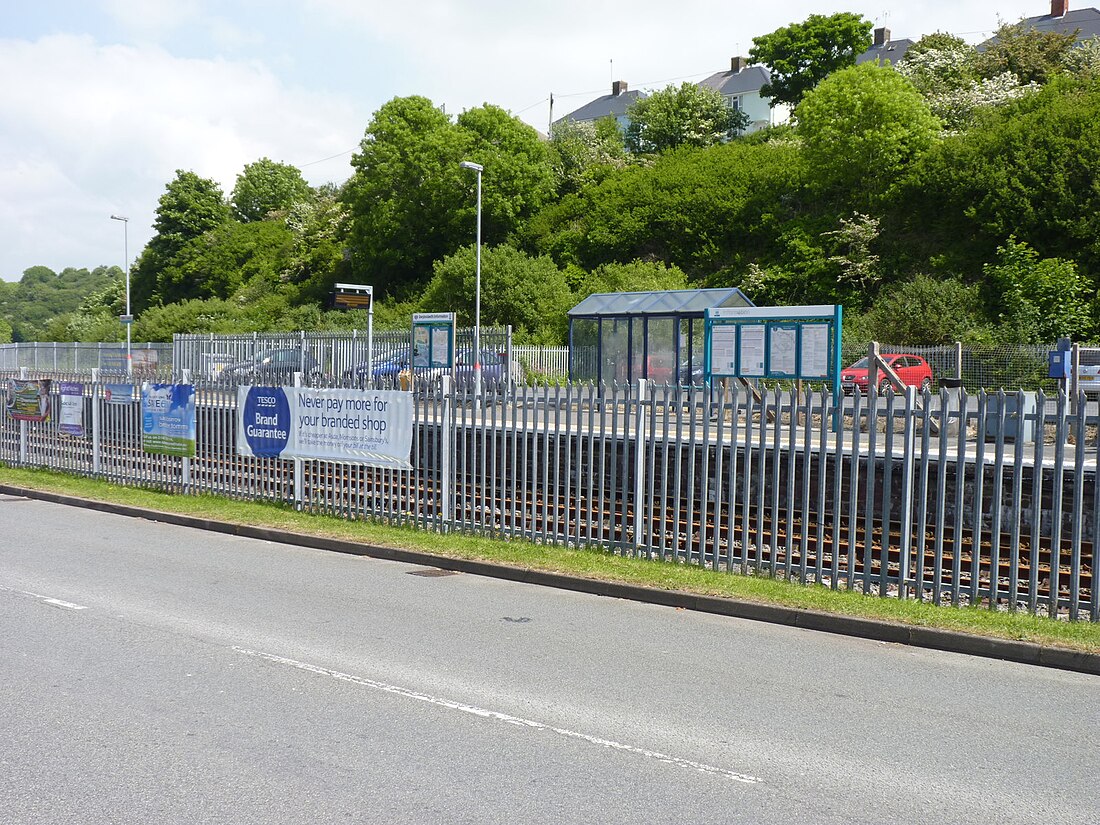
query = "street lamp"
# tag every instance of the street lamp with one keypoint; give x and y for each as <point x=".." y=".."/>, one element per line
<point x="477" y="167"/>
<point x="127" y="319"/>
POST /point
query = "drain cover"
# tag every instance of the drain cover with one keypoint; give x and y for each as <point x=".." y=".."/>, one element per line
<point x="432" y="572"/>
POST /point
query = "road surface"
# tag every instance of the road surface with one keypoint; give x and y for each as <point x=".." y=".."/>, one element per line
<point x="152" y="673"/>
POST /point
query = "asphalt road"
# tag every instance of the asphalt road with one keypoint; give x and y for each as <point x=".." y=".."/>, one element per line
<point x="151" y="673"/>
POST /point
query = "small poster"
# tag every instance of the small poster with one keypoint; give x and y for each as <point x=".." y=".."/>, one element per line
<point x="723" y="350"/>
<point x="118" y="393"/>
<point x="168" y="419"/>
<point x="752" y="350"/>
<point x="71" y="414"/>
<point x="781" y="349"/>
<point x="815" y="350"/>
<point x="29" y="400"/>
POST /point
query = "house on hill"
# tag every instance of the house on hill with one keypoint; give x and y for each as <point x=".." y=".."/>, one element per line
<point x="613" y="105"/>
<point x="1084" y="23"/>
<point x="885" y="51"/>
<point x="740" y="86"/>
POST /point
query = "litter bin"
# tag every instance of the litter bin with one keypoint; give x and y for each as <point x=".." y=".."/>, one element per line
<point x="1019" y="420"/>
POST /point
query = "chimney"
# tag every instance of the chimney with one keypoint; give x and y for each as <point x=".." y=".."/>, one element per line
<point x="882" y="35"/>
<point x="618" y="87"/>
<point x="738" y="63"/>
<point x="1058" y="8"/>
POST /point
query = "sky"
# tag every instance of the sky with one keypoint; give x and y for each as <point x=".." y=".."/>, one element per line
<point x="103" y="100"/>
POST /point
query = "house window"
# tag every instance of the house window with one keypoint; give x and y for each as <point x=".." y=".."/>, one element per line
<point x="735" y="103"/>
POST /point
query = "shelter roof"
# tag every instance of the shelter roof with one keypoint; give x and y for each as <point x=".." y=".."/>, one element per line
<point x="659" y="302"/>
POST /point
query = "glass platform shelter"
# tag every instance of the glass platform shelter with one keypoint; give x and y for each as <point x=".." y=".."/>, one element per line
<point x="622" y="336"/>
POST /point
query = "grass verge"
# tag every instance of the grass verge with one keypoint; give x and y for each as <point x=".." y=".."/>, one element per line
<point x="595" y="564"/>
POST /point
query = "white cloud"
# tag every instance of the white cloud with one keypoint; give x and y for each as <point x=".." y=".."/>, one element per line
<point x="92" y="130"/>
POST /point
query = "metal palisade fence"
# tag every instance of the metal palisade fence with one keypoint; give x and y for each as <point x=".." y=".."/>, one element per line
<point x="987" y="499"/>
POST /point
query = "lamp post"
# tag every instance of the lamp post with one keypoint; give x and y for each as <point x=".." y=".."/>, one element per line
<point x="477" y="167"/>
<point x="127" y="319"/>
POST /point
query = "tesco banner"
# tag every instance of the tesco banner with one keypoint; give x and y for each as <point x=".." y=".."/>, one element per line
<point x="366" y="426"/>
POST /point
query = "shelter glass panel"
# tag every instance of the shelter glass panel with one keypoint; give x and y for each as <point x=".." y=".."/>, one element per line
<point x="661" y="350"/>
<point x="583" y="354"/>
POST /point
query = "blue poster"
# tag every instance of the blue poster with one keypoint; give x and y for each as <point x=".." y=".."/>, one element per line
<point x="168" y="419"/>
<point x="265" y="421"/>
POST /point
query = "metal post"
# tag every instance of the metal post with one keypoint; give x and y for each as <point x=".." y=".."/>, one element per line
<point x="639" y="463"/>
<point x="186" y="463"/>
<point x="872" y="369"/>
<point x="477" y="167"/>
<point x="126" y="255"/>
<point x="1075" y="369"/>
<point x="446" y="451"/>
<point x="96" y="448"/>
<point x="299" y="496"/>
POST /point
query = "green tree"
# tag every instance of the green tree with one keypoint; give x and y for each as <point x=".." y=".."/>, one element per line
<point x="636" y="276"/>
<point x="319" y="230"/>
<point x="707" y="211"/>
<point x="1027" y="168"/>
<point x="1040" y="300"/>
<point x="584" y="153"/>
<point x="1083" y="60"/>
<point x="1033" y="56"/>
<point x="517" y="180"/>
<point x="218" y="263"/>
<point x="801" y="55"/>
<point x="862" y="127"/>
<point x="949" y="80"/>
<point x="265" y="187"/>
<point x="685" y="115"/>
<point x="189" y="207"/>
<point x="32" y="305"/>
<point x="530" y="293"/>
<point x="927" y="311"/>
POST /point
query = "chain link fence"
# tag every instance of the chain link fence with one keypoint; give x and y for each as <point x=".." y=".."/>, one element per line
<point x="335" y="353"/>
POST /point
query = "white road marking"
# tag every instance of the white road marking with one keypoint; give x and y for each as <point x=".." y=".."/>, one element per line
<point x="46" y="599"/>
<point x="500" y="717"/>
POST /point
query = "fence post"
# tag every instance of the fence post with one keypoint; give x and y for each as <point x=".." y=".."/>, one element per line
<point x="872" y="369"/>
<point x="23" y="424"/>
<point x="299" y="497"/>
<point x="186" y="466"/>
<point x="447" y="445"/>
<point x="959" y="360"/>
<point x="906" y="514"/>
<point x="1075" y="368"/>
<point x="96" y="448"/>
<point x="639" y="463"/>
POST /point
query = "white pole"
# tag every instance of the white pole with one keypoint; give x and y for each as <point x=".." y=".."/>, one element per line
<point x="477" y="167"/>
<point x="126" y="256"/>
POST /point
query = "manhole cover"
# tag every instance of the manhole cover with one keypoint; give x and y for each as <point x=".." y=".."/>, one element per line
<point x="432" y="572"/>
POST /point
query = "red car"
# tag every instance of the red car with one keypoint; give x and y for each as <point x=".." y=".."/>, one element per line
<point x="911" y="369"/>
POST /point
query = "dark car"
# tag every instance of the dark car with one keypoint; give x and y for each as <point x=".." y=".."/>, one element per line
<point x="388" y="369"/>
<point x="275" y="365"/>
<point x="911" y="369"/>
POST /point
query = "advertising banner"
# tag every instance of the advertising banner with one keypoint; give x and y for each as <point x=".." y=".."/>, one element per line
<point x="368" y="427"/>
<point x="118" y="393"/>
<point x="71" y="415"/>
<point x="29" y="400"/>
<point x="168" y="419"/>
